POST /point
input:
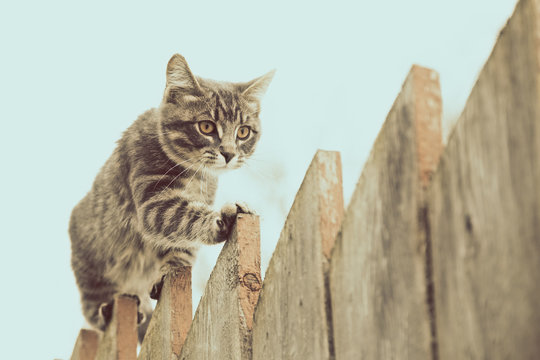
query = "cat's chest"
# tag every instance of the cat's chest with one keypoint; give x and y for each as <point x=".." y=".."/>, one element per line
<point x="201" y="187"/>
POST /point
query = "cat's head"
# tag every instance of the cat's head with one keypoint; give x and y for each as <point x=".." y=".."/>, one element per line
<point x="209" y="124"/>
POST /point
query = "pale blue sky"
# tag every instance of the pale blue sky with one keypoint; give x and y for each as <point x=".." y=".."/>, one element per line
<point x="73" y="76"/>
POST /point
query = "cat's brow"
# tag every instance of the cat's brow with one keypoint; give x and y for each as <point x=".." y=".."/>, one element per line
<point x="206" y="102"/>
<point x="206" y="112"/>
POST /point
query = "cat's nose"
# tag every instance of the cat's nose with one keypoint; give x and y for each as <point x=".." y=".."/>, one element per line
<point x="227" y="155"/>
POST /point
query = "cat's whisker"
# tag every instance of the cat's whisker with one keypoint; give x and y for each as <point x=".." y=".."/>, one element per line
<point x="192" y="176"/>
<point x="201" y="185"/>
<point x="176" y="177"/>
<point x="206" y="175"/>
<point x="162" y="176"/>
<point x="259" y="173"/>
<point x="259" y="159"/>
<point x="206" y="184"/>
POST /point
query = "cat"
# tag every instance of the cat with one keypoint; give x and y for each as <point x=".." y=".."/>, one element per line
<point x="149" y="208"/>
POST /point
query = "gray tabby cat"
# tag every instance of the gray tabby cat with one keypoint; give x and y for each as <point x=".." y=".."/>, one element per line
<point x="149" y="208"/>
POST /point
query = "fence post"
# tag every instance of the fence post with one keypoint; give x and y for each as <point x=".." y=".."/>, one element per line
<point x="484" y="206"/>
<point x="119" y="341"/>
<point x="171" y="319"/>
<point x="221" y="328"/>
<point x="292" y="319"/>
<point x="86" y="345"/>
<point x="380" y="296"/>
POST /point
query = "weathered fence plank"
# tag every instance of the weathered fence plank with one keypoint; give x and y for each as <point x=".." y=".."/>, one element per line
<point x="221" y="328"/>
<point x="171" y="318"/>
<point x="292" y="316"/>
<point x="485" y="207"/>
<point x="86" y="345"/>
<point x="378" y="270"/>
<point x="119" y="341"/>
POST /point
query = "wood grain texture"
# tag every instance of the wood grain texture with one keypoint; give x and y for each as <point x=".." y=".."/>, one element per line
<point x="291" y="317"/>
<point x="171" y="319"/>
<point x="221" y="328"/>
<point x="249" y="267"/>
<point x="378" y="268"/>
<point x="484" y="206"/>
<point x="119" y="341"/>
<point x="86" y="345"/>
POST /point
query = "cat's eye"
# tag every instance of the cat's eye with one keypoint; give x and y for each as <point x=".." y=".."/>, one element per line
<point x="243" y="132"/>
<point x="207" y="127"/>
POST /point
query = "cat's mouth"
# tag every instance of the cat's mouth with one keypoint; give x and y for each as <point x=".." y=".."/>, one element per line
<point x="219" y="166"/>
<point x="219" y="163"/>
<point x="223" y="167"/>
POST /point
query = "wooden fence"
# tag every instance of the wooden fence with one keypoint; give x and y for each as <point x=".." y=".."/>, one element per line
<point x="436" y="256"/>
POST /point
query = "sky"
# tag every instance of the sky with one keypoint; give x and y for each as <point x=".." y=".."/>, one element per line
<point x="74" y="76"/>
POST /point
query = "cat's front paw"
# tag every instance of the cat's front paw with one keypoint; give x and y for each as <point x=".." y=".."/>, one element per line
<point x="227" y="218"/>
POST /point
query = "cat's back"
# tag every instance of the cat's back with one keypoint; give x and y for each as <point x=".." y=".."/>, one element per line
<point x="107" y="210"/>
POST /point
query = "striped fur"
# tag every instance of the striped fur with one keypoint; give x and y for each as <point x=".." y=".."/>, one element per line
<point x="149" y="208"/>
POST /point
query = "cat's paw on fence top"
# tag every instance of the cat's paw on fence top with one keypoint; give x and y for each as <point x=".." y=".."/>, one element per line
<point x="227" y="218"/>
<point x="243" y="208"/>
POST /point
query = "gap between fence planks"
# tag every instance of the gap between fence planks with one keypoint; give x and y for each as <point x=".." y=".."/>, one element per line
<point x="380" y="265"/>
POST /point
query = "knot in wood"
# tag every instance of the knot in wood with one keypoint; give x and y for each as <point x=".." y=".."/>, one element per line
<point x="251" y="281"/>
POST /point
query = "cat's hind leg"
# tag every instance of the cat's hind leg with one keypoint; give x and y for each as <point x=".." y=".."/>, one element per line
<point x="98" y="313"/>
<point x="145" y="315"/>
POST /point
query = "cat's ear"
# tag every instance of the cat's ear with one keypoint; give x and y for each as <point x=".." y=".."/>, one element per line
<point x="256" y="88"/>
<point x="180" y="79"/>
